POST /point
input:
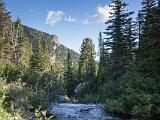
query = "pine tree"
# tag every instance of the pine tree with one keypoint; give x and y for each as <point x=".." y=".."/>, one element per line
<point x="116" y="38"/>
<point x="69" y="75"/>
<point x="45" y="54"/>
<point x="101" y="57"/>
<point x="87" y="64"/>
<point x="103" y="60"/>
<point x="140" y="25"/>
<point x="147" y="13"/>
<point x="148" y="52"/>
<point x="40" y="51"/>
<point x="39" y="61"/>
<point x="5" y="38"/>
<point x="20" y="44"/>
<point x="130" y="35"/>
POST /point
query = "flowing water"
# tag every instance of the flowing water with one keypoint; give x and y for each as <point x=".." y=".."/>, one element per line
<point x="67" y="111"/>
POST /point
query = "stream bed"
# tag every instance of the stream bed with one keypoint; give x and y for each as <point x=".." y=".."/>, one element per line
<point x="68" y="111"/>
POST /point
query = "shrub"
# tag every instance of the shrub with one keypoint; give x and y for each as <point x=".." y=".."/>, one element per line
<point x="114" y="106"/>
<point x="135" y="96"/>
<point x="4" y="115"/>
<point x="89" y="98"/>
<point x="109" y="90"/>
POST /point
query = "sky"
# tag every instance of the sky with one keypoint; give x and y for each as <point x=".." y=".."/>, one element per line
<point x="70" y="20"/>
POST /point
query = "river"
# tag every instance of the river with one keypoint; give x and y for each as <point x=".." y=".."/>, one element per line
<point x="68" y="111"/>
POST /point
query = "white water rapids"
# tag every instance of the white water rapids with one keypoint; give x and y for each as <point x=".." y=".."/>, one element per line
<point x="67" y="111"/>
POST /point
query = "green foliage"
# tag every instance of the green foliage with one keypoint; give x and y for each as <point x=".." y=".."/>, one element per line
<point x="135" y="96"/>
<point x="89" y="98"/>
<point x="11" y="73"/>
<point x="143" y="109"/>
<point x="51" y="84"/>
<point x="110" y="90"/>
<point x="132" y="75"/>
<point x="87" y="68"/>
<point x="156" y="106"/>
<point x="103" y="61"/>
<point x="114" y="106"/>
<point x="69" y="75"/>
<point x="136" y="81"/>
<point x="148" y="51"/>
<point x="119" y="39"/>
<point x="3" y="113"/>
<point x="7" y="116"/>
<point x="18" y="97"/>
<point x="87" y="64"/>
<point x="137" y="105"/>
<point x="36" y="63"/>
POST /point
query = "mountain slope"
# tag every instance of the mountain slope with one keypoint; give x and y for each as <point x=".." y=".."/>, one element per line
<point x="55" y="50"/>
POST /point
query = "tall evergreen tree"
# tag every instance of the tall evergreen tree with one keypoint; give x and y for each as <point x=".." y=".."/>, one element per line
<point x="148" y="53"/>
<point x="39" y="61"/>
<point x="101" y="57"/>
<point x="45" y="54"/>
<point x="140" y="25"/>
<point x="20" y="44"/>
<point x="5" y="37"/>
<point x="103" y="60"/>
<point x="148" y="14"/>
<point x="69" y="75"/>
<point x="87" y="64"/>
<point x="130" y="36"/>
<point x="116" y="38"/>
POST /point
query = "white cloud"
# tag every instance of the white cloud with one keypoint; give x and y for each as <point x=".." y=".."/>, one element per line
<point x="102" y="15"/>
<point x="53" y="17"/>
<point x="70" y="19"/>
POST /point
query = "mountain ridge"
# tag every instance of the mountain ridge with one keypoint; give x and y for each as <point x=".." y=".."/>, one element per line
<point x="55" y="50"/>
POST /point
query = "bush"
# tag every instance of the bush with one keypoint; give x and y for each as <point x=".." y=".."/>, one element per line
<point x="4" y="115"/>
<point x="109" y="90"/>
<point x="7" y="116"/>
<point x="114" y="106"/>
<point x="89" y="98"/>
<point x="155" y="112"/>
<point x="143" y="112"/>
<point x="52" y="86"/>
<point x="135" y="96"/>
<point x="138" y="83"/>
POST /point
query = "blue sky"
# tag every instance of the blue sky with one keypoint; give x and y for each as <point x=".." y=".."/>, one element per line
<point x="71" y="20"/>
